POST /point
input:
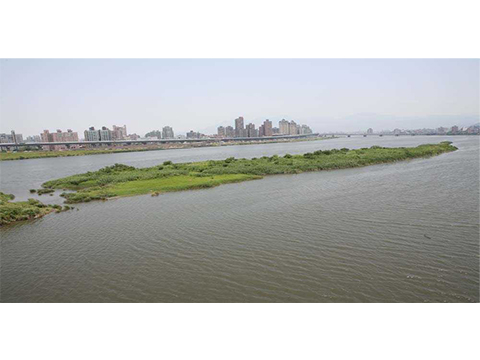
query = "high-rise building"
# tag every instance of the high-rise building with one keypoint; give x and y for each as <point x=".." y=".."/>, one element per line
<point x="60" y="136"/>
<point x="194" y="135"/>
<point x="12" y="138"/>
<point x="167" y="133"/>
<point x="91" y="134"/>
<point x="251" y="131"/>
<point x="283" y="127"/>
<point x="370" y="131"/>
<point x="454" y="129"/>
<point x="305" y="129"/>
<point x="5" y="138"/>
<point x="275" y="130"/>
<point x="221" y="131"/>
<point x="292" y="128"/>
<point x="261" y="130"/>
<point x="119" y="132"/>
<point x="229" y="132"/>
<point x="33" y="139"/>
<point x="267" y="127"/>
<point x="239" y="127"/>
<point x="105" y="134"/>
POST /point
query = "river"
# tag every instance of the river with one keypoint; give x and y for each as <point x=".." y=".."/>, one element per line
<point x="402" y="232"/>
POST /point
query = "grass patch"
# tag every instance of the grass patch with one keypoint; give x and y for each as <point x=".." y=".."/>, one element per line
<point x="153" y="186"/>
<point x="123" y="180"/>
<point x="23" y="210"/>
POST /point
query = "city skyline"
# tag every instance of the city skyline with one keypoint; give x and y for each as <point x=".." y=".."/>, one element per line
<point x="327" y="95"/>
<point x="249" y="130"/>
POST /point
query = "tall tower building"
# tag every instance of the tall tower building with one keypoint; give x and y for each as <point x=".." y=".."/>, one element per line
<point x="119" y="132"/>
<point x="283" y="127"/>
<point x="229" y="132"/>
<point x="167" y="133"/>
<point x="267" y="127"/>
<point x="261" y="130"/>
<point x="292" y="128"/>
<point x="239" y="127"/>
<point x="251" y="131"/>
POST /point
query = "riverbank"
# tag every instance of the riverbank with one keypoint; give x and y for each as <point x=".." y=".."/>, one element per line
<point x="11" y="212"/>
<point x="121" y="180"/>
<point x="24" y="155"/>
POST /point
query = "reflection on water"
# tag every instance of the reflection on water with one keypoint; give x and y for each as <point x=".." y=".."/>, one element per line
<point x="404" y="232"/>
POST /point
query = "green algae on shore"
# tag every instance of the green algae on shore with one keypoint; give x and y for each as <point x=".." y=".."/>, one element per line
<point x="122" y="180"/>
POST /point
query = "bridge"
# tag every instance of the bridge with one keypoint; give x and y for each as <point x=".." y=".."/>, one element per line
<point x="363" y="134"/>
<point x="6" y="146"/>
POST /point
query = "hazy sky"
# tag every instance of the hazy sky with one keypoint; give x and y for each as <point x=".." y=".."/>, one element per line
<point x="342" y="95"/>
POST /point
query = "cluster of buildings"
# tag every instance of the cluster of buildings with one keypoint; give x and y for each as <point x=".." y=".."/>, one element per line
<point x="105" y="134"/>
<point x="239" y="131"/>
<point x="454" y="130"/>
<point x="266" y="129"/>
<point x="118" y="133"/>
<point x="166" y="133"/>
<point x="11" y="138"/>
<point x="58" y="136"/>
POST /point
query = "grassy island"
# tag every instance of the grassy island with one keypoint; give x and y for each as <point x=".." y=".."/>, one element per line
<point x="122" y="180"/>
<point x="23" y="210"/>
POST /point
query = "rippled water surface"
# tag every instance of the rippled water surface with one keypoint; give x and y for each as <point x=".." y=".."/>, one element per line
<point x="403" y="232"/>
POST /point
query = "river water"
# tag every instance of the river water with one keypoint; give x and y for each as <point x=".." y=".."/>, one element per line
<point x="403" y="232"/>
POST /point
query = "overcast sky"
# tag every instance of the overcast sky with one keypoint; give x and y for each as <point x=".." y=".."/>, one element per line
<point x="342" y="95"/>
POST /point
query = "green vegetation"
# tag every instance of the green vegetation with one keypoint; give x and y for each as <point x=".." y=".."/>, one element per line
<point x="123" y="180"/>
<point x="23" y="155"/>
<point x="44" y="191"/>
<point x="22" y="210"/>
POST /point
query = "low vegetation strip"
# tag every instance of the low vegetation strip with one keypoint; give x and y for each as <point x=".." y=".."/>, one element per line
<point x="24" y="155"/>
<point x="123" y="180"/>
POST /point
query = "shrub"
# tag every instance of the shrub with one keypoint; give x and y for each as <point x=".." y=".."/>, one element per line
<point x="166" y="163"/>
<point x="44" y="191"/>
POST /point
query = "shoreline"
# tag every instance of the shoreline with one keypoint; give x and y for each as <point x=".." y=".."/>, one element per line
<point x="43" y="154"/>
